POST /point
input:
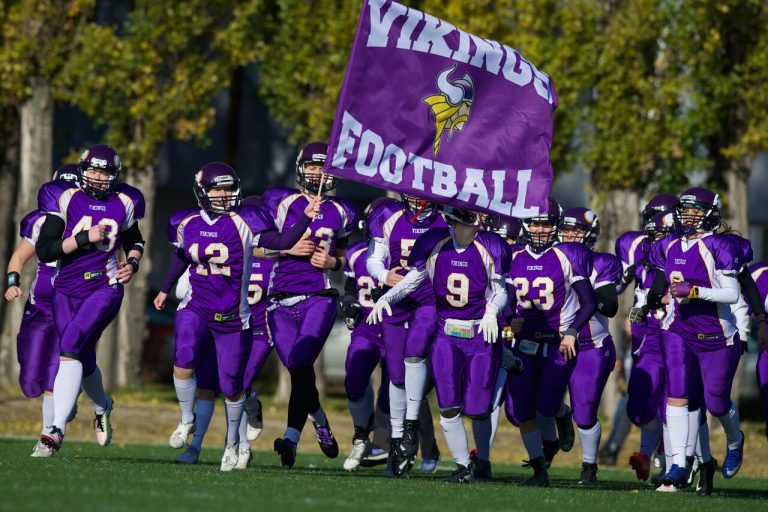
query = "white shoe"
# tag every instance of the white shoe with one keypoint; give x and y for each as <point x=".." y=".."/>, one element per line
<point x="360" y="448"/>
<point x="666" y="488"/>
<point x="255" y="424"/>
<point x="42" y="451"/>
<point x="229" y="459"/>
<point x="179" y="437"/>
<point x="244" y="457"/>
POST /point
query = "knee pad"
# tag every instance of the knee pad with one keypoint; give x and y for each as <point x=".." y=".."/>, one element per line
<point x="415" y="360"/>
<point x="450" y="412"/>
<point x="480" y="417"/>
<point x="71" y="355"/>
<point x="587" y="427"/>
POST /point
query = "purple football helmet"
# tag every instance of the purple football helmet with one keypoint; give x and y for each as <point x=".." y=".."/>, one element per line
<point x="582" y="219"/>
<point x="661" y="224"/>
<point x="100" y="158"/>
<point x="363" y="224"/>
<point x="707" y="205"/>
<point x="313" y="153"/>
<point x="659" y="203"/>
<point x="539" y="242"/>
<point x="420" y="210"/>
<point x="453" y="216"/>
<point x="67" y="172"/>
<point x="217" y="176"/>
<point x="506" y="227"/>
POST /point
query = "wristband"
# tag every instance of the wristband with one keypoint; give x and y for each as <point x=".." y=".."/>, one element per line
<point x="571" y="332"/>
<point x="12" y="279"/>
<point x="337" y="266"/>
<point x="82" y="239"/>
<point x="272" y="252"/>
<point x="134" y="262"/>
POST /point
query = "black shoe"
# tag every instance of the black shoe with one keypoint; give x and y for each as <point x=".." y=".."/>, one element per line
<point x="565" y="433"/>
<point x="409" y="443"/>
<point x="550" y="450"/>
<point x="377" y="457"/>
<point x="401" y="464"/>
<point x="691" y="469"/>
<point x="325" y="439"/>
<point x="287" y="451"/>
<point x="483" y="470"/>
<point x="707" y="472"/>
<point x="462" y="475"/>
<point x="656" y="479"/>
<point x="588" y="474"/>
<point x="607" y="457"/>
<point x="540" y="476"/>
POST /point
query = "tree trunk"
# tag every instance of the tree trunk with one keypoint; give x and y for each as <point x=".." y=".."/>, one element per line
<point x="36" y="162"/>
<point x="618" y="213"/>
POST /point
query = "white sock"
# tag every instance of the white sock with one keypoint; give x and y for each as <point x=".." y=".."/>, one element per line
<point x="650" y="434"/>
<point x="415" y="383"/>
<point x="456" y="439"/>
<point x="590" y="442"/>
<point x="94" y="388"/>
<point x="702" y="447"/>
<point x="234" y="415"/>
<point x="292" y="434"/>
<point x="667" y="448"/>
<point x="694" y="417"/>
<point x="242" y="431"/>
<point x="677" y="423"/>
<point x="396" y="410"/>
<point x="252" y="407"/>
<point x="186" y="391"/>
<point x="66" y="388"/>
<point x="47" y="413"/>
<point x="547" y="426"/>
<point x="532" y="442"/>
<point x="482" y="430"/>
<point x="361" y="411"/>
<point x="319" y="416"/>
<point x="495" y="415"/>
<point x="203" y="414"/>
<point x="730" y="422"/>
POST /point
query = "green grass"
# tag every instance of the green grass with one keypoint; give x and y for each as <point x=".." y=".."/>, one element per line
<point x="144" y="478"/>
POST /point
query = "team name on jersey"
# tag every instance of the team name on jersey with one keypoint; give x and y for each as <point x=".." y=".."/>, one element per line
<point x="97" y="207"/>
<point x="209" y="234"/>
<point x="534" y="267"/>
<point x="319" y="216"/>
<point x="679" y="261"/>
<point x="420" y="230"/>
<point x="459" y="263"/>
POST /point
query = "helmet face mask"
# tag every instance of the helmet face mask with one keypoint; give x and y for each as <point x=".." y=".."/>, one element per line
<point x="660" y="203"/>
<point x="660" y="226"/>
<point x="579" y="225"/>
<point x="217" y="188"/>
<point x="540" y="233"/>
<point x="363" y="224"/>
<point x="99" y="169"/>
<point x="420" y="210"/>
<point x="67" y="172"/>
<point x="506" y="227"/>
<point x="309" y="168"/>
<point x="698" y="211"/>
<point x="459" y="216"/>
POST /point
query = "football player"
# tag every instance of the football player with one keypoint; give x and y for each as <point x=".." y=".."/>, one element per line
<point x="465" y="267"/>
<point x="303" y="302"/>
<point x="86" y="224"/>
<point x="759" y="272"/>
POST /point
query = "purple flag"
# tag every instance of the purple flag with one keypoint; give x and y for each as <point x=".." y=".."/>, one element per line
<point x="434" y="111"/>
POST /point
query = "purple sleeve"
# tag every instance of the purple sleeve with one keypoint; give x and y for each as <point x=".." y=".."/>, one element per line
<point x="609" y="269"/>
<point x="352" y="213"/>
<point x="741" y="248"/>
<point x="136" y="197"/>
<point x="424" y="246"/>
<point x="729" y="253"/>
<point x="175" y="236"/>
<point x="271" y="199"/>
<point x="275" y="240"/>
<point x="580" y="258"/>
<point x="377" y="217"/>
<point x="498" y="251"/>
<point x="48" y="197"/>
<point x="587" y="304"/>
<point x="177" y="268"/>
<point x="658" y="255"/>
<point x="27" y="225"/>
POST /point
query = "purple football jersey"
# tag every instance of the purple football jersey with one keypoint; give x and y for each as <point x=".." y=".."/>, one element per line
<point x="391" y="223"/>
<point x="543" y="285"/>
<point x="336" y="220"/>
<point x="81" y="273"/>
<point x="220" y="252"/>
<point x="606" y="270"/>
<point x="460" y="276"/>
<point x="261" y="269"/>
<point x="759" y="273"/>
<point x="355" y="269"/>
<point x="700" y="322"/>
<point x="41" y="287"/>
<point x="632" y="248"/>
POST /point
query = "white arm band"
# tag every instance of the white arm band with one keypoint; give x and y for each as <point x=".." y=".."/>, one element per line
<point x="409" y="284"/>
<point x="727" y="291"/>
<point x="375" y="261"/>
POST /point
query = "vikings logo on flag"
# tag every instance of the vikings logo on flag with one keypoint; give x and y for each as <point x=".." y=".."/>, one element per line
<point x="436" y="112"/>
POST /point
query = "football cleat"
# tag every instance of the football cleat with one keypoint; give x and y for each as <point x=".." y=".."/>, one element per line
<point x="102" y="427"/>
<point x="188" y="456"/>
<point x="641" y="464"/>
<point x="483" y="470"/>
<point x="255" y="425"/>
<point x="707" y="472"/>
<point x="229" y="459"/>
<point x="540" y="476"/>
<point x="674" y="479"/>
<point x="409" y="443"/>
<point x="733" y="459"/>
<point x="588" y="475"/>
<point x="607" y="457"/>
<point x="692" y="469"/>
<point x="179" y="437"/>
<point x="462" y="475"/>
<point x="53" y="439"/>
<point x="360" y="448"/>
<point x="565" y="432"/>
<point x="401" y="464"/>
<point x="377" y="457"/>
<point x="244" y="457"/>
<point x="287" y="451"/>
<point x="42" y="451"/>
<point x="550" y="450"/>
<point x="429" y="465"/>
<point x="325" y="439"/>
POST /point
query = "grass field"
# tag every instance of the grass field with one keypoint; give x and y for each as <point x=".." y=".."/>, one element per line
<point x="142" y="478"/>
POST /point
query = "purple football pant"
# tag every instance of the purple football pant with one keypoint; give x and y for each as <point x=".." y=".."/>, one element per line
<point x="593" y="366"/>
<point x="366" y="350"/>
<point x="207" y="367"/>
<point x="421" y="330"/>
<point x="465" y="372"/>
<point x="394" y="336"/>
<point x="300" y="331"/>
<point x="719" y="365"/>
<point x="37" y="348"/>
<point x="636" y="335"/>
<point x="762" y="380"/>
<point x="540" y="388"/>
<point x="195" y="336"/>
<point x="80" y="321"/>
<point x="260" y="350"/>
<point x="647" y="388"/>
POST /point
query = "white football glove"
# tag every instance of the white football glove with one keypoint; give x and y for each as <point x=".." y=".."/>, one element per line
<point x="377" y="314"/>
<point x="489" y="326"/>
